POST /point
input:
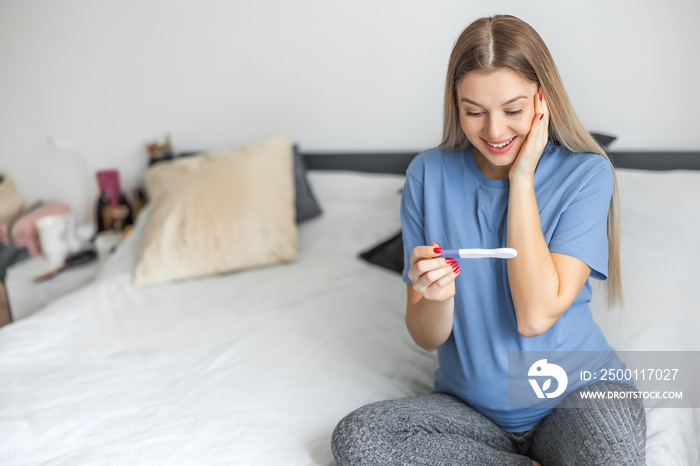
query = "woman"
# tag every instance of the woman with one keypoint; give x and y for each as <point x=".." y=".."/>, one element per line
<point x="515" y="169"/>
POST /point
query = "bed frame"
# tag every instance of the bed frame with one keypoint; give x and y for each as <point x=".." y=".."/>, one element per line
<point x="397" y="162"/>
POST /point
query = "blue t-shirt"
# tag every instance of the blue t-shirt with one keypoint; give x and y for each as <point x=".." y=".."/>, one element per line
<point x="447" y="199"/>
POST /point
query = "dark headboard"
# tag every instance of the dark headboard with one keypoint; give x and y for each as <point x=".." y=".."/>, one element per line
<point x="651" y="160"/>
<point x="397" y="162"/>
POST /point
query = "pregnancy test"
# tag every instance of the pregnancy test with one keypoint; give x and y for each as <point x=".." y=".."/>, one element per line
<point x="498" y="253"/>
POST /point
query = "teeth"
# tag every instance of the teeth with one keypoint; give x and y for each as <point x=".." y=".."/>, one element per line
<point x="498" y="146"/>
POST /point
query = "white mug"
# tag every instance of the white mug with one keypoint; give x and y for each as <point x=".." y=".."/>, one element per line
<point x="56" y="236"/>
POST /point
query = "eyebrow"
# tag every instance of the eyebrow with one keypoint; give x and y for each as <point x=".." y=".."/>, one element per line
<point x="464" y="99"/>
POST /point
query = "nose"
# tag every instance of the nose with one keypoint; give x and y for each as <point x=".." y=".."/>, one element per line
<point x="495" y="128"/>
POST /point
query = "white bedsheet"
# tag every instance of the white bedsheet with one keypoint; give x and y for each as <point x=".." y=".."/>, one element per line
<point x="661" y="281"/>
<point x="254" y="367"/>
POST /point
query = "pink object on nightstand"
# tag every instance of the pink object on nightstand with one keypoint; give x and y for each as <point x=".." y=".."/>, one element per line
<point x="21" y="231"/>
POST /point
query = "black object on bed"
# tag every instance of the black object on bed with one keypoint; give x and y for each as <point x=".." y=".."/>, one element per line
<point x="387" y="254"/>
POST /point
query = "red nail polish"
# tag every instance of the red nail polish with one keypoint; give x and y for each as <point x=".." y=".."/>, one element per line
<point x="458" y="269"/>
<point x="455" y="264"/>
<point x="540" y="97"/>
<point x="541" y="116"/>
<point x="449" y="260"/>
<point x="437" y="250"/>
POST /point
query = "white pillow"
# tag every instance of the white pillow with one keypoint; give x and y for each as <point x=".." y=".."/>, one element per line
<point x="660" y="253"/>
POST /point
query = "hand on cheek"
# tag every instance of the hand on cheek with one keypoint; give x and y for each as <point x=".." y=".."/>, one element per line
<point x="531" y="150"/>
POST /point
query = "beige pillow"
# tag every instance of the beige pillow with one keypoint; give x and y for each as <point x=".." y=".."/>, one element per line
<point x="218" y="212"/>
<point x="11" y="201"/>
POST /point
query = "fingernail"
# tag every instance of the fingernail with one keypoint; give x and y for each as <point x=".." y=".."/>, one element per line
<point x="437" y="250"/>
<point x="458" y="269"/>
<point x="540" y="97"/>
<point x="449" y="260"/>
<point x="455" y="264"/>
<point x="541" y="116"/>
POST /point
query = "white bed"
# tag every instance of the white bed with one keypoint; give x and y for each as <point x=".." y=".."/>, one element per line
<point x="257" y="367"/>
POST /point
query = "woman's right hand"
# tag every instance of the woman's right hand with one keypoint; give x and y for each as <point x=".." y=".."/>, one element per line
<point x="433" y="276"/>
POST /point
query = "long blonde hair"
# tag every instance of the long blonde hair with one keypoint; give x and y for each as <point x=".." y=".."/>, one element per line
<point x="504" y="41"/>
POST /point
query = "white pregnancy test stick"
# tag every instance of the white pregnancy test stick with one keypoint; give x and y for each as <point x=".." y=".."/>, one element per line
<point x="499" y="253"/>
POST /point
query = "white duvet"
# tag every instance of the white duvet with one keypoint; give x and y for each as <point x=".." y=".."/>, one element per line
<point x="257" y="367"/>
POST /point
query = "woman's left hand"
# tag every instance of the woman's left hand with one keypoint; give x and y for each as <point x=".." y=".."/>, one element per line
<point x="530" y="152"/>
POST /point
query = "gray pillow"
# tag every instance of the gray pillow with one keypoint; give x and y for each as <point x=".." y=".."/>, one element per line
<point x="307" y="207"/>
<point x="604" y="139"/>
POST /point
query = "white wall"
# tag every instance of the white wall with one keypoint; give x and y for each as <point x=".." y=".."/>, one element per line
<point x="352" y="76"/>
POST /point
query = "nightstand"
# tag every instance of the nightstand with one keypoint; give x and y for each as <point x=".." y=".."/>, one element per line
<point x="26" y="297"/>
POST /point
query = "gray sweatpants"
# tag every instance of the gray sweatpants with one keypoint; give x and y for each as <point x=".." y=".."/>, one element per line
<point x="439" y="429"/>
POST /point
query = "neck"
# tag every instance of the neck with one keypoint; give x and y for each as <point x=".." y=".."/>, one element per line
<point x="489" y="170"/>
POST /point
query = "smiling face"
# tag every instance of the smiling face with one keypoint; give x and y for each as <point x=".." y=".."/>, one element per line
<point x="496" y="110"/>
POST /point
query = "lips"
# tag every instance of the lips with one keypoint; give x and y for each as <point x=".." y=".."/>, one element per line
<point x="500" y="147"/>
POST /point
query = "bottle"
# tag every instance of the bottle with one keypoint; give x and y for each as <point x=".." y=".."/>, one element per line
<point x="129" y="217"/>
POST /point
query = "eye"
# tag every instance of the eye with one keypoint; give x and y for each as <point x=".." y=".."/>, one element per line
<point x="474" y="114"/>
<point x="514" y="112"/>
